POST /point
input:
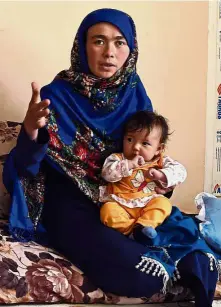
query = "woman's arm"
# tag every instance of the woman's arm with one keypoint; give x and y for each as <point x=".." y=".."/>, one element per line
<point x="28" y="153"/>
<point x="26" y="157"/>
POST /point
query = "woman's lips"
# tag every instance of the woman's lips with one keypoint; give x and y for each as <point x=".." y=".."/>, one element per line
<point x="107" y="66"/>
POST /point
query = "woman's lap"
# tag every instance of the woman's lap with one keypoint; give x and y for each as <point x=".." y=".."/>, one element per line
<point x="107" y="257"/>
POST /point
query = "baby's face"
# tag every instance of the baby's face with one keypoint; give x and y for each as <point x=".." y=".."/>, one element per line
<point x="143" y="144"/>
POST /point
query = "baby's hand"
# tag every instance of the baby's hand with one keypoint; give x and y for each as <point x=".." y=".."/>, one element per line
<point x="136" y="162"/>
<point x="156" y="175"/>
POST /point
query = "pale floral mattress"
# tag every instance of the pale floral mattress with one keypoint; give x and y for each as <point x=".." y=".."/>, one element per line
<point x="31" y="273"/>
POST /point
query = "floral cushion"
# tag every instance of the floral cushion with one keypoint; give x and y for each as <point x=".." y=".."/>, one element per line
<point x="33" y="273"/>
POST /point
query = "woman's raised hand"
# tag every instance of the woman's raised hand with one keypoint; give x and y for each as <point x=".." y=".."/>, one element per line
<point x="36" y="116"/>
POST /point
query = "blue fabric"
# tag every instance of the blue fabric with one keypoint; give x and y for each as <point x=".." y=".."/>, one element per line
<point x="23" y="161"/>
<point x="196" y="276"/>
<point x="72" y="108"/>
<point x="211" y="228"/>
<point x="176" y="237"/>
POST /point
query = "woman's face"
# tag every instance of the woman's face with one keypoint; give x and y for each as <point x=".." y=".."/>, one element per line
<point x="107" y="49"/>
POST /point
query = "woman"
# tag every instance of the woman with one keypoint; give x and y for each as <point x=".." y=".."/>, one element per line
<point x="53" y="173"/>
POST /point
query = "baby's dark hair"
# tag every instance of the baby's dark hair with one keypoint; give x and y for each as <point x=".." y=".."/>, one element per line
<point x="148" y="120"/>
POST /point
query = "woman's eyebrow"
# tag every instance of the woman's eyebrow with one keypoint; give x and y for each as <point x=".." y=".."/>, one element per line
<point x="105" y="37"/>
<point x="119" y="37"/>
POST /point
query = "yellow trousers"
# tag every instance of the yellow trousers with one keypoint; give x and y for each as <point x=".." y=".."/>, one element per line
<point x="124" y="219"/>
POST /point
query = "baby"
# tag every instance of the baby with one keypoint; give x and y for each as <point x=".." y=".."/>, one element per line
<point x="130" y="199"/>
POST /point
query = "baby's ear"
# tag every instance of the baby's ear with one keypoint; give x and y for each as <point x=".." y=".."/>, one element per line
<point x="160" y="149"/>
<point x="162" y="146"/>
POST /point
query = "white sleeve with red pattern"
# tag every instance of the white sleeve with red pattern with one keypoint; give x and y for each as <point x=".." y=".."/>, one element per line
<point x="114" y="168"/>
<point x="174" y="171"/>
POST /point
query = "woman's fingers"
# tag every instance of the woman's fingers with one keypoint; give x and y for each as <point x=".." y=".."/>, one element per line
<point x="42" y="110"/>
<point x="42" y="113"/>
<point x="35" y="98"/>
<point x="42" y="105"/>
<point x="36" y="116"/>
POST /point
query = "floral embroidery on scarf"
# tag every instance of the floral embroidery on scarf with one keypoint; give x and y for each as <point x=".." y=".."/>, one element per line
<point x="34" y="195"/>
<point x="81" y="161"/>
<point x="83" y="158"/>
